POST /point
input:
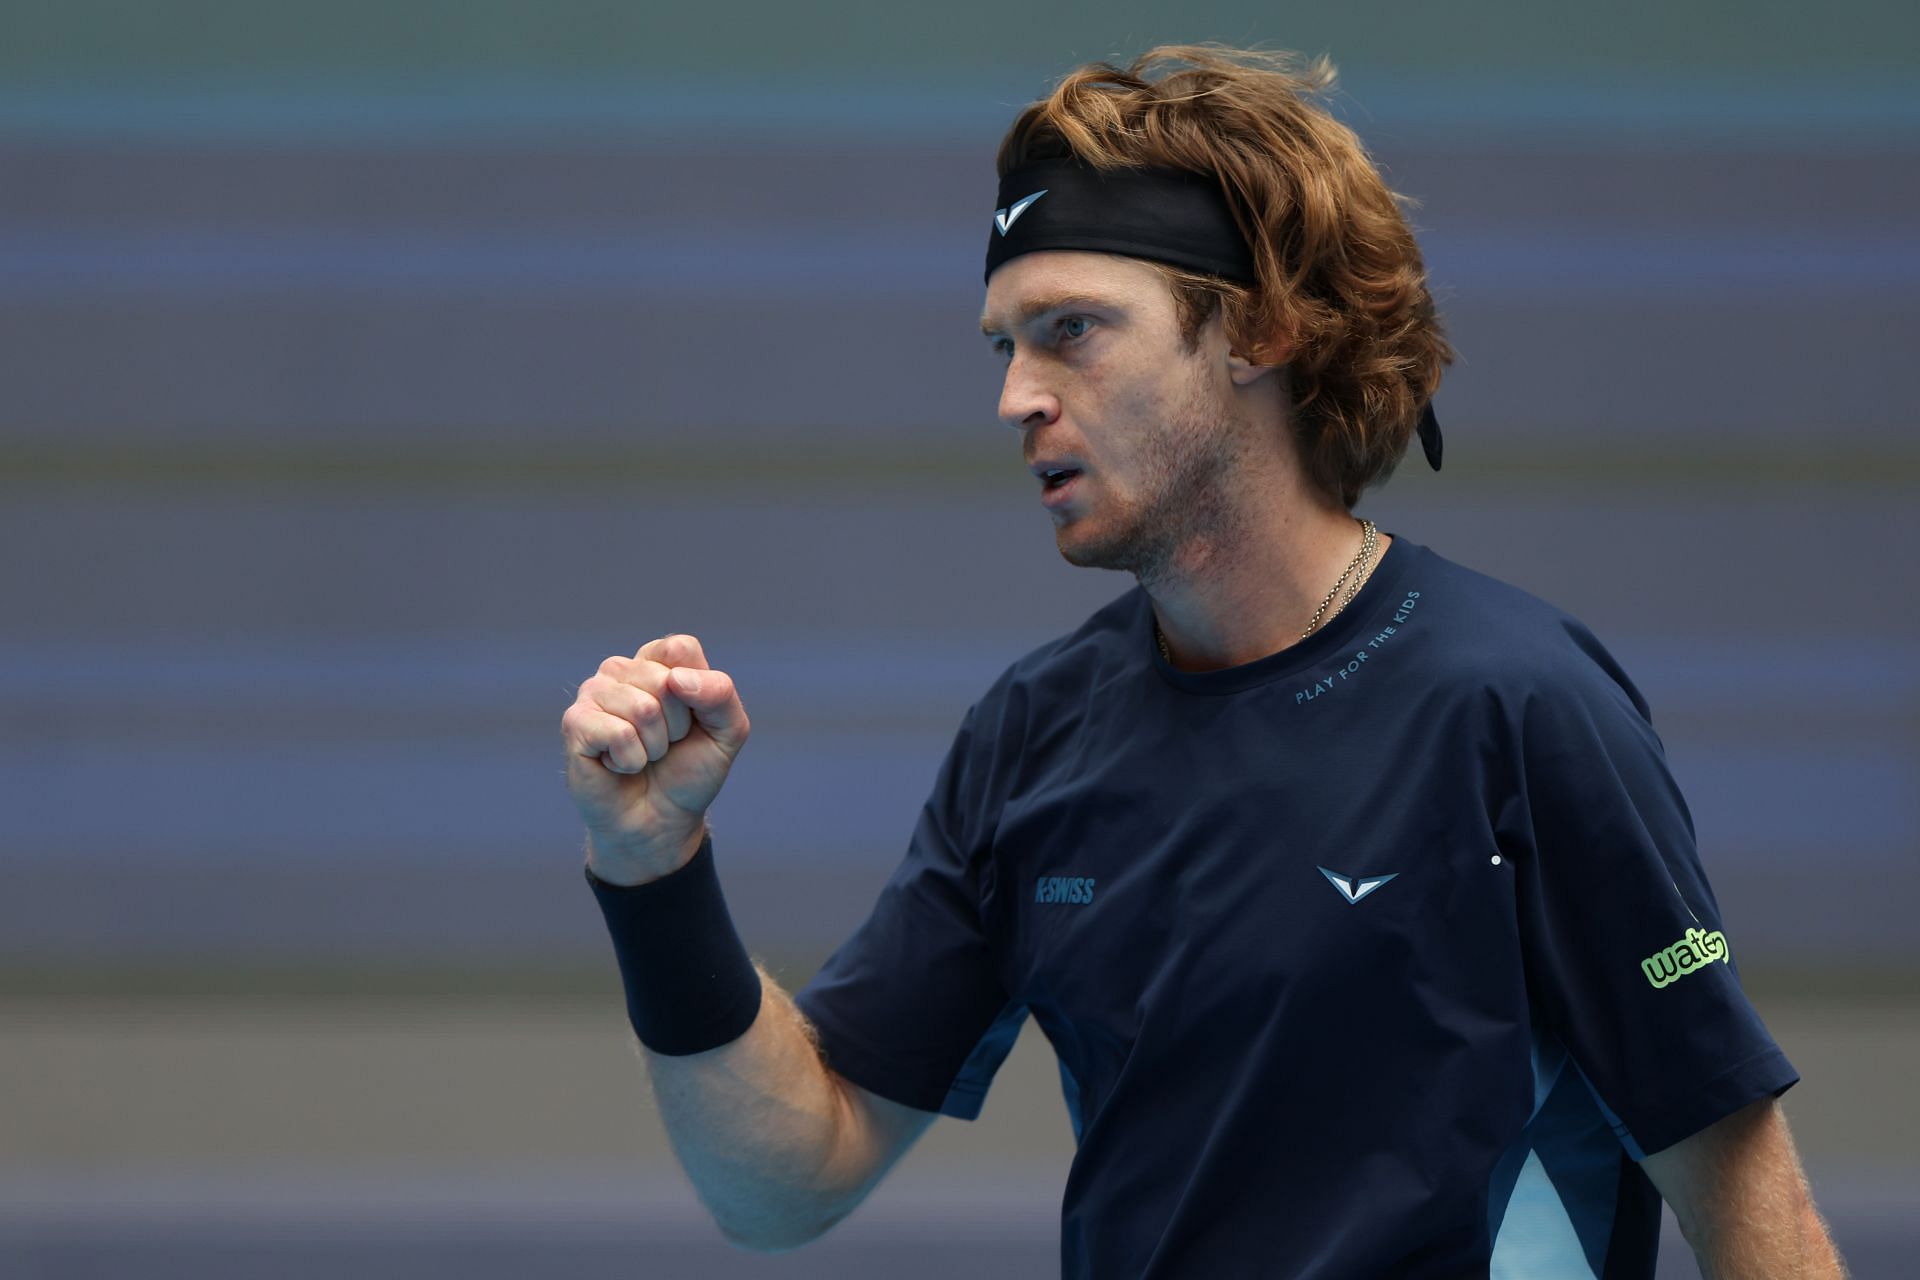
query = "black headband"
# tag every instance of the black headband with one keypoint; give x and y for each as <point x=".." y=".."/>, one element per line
<point x="1175" y="216"/>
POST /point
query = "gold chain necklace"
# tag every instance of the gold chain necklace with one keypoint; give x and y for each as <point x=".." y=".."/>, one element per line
<point x="1369" y="539"/>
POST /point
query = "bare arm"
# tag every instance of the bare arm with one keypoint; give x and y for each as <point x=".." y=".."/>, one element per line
<point x="1743" y="1202"/>
<point x="779" y="1147"/>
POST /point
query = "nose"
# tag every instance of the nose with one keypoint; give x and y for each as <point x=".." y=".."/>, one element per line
<point x="1024" y="401"/>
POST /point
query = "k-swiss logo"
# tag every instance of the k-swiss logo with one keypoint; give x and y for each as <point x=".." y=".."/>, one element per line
<point x="1005" y="218"/>
<point x="1353" y="890"/>
<point x="1063" y="889"/>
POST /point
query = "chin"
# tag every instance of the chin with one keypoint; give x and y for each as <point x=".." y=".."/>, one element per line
<point x="1096" y="553"/>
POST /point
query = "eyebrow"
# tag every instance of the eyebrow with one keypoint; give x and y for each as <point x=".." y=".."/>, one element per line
<point x="1040" y="307"/>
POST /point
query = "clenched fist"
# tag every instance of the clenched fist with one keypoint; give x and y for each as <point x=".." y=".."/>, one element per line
<point x="650" y="739"/>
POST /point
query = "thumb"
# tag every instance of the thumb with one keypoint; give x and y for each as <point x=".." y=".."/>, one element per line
<point x="714" y="702"/>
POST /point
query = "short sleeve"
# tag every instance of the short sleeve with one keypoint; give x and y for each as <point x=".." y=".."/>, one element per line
<point x="911" y="1006"/>
<point x="1626" y="955"/>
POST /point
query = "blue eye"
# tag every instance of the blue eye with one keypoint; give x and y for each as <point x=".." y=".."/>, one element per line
<point x="1004" y="346"/>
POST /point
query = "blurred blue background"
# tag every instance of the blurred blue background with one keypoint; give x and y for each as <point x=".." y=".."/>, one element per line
<point x="369" y="372"/>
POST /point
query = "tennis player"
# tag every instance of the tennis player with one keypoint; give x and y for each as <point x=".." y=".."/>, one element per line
<point x="1350" y="885"/>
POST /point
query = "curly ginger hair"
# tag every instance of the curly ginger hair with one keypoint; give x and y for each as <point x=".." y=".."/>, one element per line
<point x="1341" y="296"/>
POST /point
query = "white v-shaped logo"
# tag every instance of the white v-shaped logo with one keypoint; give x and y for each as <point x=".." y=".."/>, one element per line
<point x="1351" y="891"/>
<point x="1005" y="218"/>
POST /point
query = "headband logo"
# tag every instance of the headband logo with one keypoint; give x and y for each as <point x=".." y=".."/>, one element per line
<point x="1005" y="218"/>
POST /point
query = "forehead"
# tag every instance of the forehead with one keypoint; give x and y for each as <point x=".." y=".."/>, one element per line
<point x="1022" y="285"/>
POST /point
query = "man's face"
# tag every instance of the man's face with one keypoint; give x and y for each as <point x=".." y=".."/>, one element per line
<point x="1097" y="379"/>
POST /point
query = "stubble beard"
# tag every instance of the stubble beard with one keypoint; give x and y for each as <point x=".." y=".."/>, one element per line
<point x="1182" y="509"/>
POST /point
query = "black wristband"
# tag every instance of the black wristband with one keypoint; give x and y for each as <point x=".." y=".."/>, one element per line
<point x="690" y="984"/>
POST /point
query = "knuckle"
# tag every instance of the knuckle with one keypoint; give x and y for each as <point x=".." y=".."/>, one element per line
<point x="613" y="666"/>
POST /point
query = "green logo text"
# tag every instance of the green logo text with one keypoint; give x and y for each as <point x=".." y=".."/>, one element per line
<point x="1698" y="948"/>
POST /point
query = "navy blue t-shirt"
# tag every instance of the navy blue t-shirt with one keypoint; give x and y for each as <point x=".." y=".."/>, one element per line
<point x="1388" y="954"/>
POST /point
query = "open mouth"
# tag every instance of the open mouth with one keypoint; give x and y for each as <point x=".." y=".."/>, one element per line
<point x="1055" y="479"/>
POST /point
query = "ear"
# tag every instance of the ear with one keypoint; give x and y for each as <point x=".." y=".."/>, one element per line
<point x="1248" y="367"/>
<point x="1245" y="370"/>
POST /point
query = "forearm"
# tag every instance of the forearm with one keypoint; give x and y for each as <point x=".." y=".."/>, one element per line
<point x="1770" y="1241"/>
<point x="761" y="1127"/>
<point x="758" y="1123"/>
<point x="1751" y="1213"/>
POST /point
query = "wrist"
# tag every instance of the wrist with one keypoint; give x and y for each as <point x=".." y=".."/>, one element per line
<point x="690" y="984"/>
<point x="626" y="865"/>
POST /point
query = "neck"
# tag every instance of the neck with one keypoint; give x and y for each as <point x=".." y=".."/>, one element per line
<point x="1224" y="604"/>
